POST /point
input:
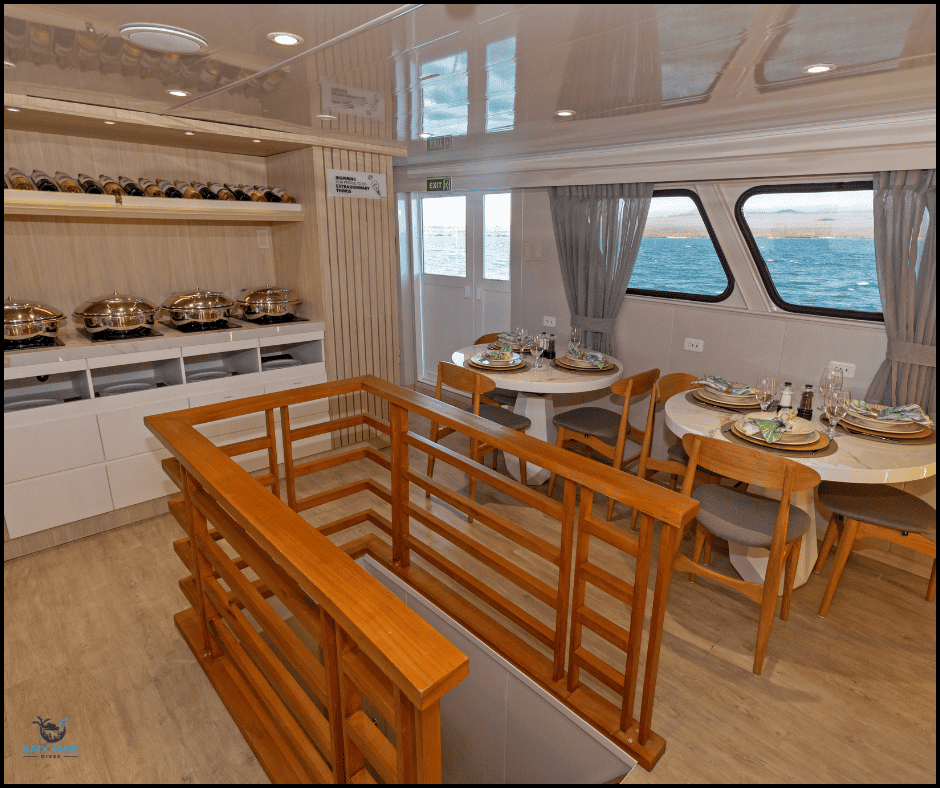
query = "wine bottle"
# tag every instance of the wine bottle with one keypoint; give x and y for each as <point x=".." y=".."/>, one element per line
<point x="20" y="180"/>
<point x="205" y="191"/>
<point x="150" y="188"/>
<point x="188" y="192"/>
<point x="43" y="182"/>
<point x="110" y="186"/>
<point x="89" y="185"/>
<point x="170" y="190"/>
<point x="268" y="194"/>
<point x="239" y="194"/>
<point x="67" y="183"/>
<point x="283" y="195"/>
<point x="129" y="186"/>
<point x="220" y="191"/>
<point x="253" y="193"/>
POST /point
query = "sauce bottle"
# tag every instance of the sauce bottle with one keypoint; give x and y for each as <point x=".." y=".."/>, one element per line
<point x="805" y="411"/>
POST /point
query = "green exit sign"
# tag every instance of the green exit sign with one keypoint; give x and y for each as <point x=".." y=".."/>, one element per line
<point x="438" y="185"/>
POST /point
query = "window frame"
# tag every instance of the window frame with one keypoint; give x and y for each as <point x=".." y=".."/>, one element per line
<point x="722" y="296"/>
<point x="762" y="269"/>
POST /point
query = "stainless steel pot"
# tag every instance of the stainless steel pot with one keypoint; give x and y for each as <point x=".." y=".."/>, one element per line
<point x="267" y="301"/>
<point x="116" y="312"/>
<point x="197" y="306"/>
<point x="27" y="319"/>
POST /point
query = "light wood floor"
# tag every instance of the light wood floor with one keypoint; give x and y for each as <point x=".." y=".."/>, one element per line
<point x="88" y="634"/>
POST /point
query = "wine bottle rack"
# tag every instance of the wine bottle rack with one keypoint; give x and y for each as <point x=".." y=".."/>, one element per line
<point x="36" y="203"/>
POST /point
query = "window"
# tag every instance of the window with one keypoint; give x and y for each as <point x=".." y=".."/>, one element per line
<point x="679" y="255"/>
<point x="444" y="241"/>
<point x="814" y="247"/>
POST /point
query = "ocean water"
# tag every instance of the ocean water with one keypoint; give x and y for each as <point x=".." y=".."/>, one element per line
<point x="828" y="272"/>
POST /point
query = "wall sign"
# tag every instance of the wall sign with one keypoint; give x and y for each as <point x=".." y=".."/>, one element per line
<point x="347" y="183"/>
<point x="440" y="143"/>
<point x="438" y="185"/>
<point x="352" y="101"/>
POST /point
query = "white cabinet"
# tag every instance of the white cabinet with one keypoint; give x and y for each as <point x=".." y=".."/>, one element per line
<point x="138" y="479"/>
<point x="253" y="421"/>
<point x="50" y="447"/>
<point x="45" y="502"/>
<point x="123" y="432"/>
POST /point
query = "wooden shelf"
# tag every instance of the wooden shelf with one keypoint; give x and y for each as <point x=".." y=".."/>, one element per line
<point x="29" y="203"/>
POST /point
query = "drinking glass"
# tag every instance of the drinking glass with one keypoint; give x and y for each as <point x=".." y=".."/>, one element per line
<point x="766" y="389"/>
<point x="830" y="381"/>
<point x="837" y="404"/>
<point x="575" y="337"/>
<point x="536" y="348"/>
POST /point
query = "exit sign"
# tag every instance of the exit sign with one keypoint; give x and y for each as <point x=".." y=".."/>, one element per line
<point x="440" y="143"/>
<point x="438" y="185"/>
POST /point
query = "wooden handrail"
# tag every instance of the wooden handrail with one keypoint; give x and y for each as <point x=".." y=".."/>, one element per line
<point x="359" y="619"/>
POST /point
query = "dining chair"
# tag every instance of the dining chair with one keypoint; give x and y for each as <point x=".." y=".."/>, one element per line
<point x="474" y="384"/>
<point x="606" y="431"/>
<point x="874" y="511"/>
<point x="497" y="396"/>
<point x="666" y="387"/>
<point x="748" y="519"/>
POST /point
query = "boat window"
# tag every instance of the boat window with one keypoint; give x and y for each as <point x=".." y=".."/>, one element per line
<point x="814" y="247"/>
<point x="679" y="255"/>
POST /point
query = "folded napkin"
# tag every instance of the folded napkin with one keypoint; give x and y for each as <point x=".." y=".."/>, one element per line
<point x="773" y="428"/>
<point x="498" y="354"/>
<point x="724" y="386"/>
<point x="597" y="359"/>
<point x="899" y="413"/>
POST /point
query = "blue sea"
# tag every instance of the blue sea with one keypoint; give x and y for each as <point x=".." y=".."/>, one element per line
<point x="829" y="272"/>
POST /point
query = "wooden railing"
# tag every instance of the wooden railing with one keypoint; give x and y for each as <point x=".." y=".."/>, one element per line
<point x="306" y="703"/>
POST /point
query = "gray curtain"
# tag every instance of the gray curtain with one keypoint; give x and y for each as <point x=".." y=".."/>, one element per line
<point x="908" y="293"/>
<point x="598" y="229"/>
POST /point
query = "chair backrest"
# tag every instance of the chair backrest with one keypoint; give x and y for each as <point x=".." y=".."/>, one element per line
<point x="486" y="339"/>
<point x="633" y="386"/>
<point x="465" y="380"/>
<point x="744" y="464"/>
<point x="666" y="387"/>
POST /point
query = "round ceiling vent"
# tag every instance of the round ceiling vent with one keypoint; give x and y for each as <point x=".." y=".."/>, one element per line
<point x="163" y="38"/>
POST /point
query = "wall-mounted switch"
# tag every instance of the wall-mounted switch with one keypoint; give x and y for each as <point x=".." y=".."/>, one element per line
<point x="526" y="251"/>
<point x="263" y="242"/>
<point x="537" y="251"/>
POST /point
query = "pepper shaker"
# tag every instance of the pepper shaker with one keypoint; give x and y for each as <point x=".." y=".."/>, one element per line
<point x="805" y="411"/>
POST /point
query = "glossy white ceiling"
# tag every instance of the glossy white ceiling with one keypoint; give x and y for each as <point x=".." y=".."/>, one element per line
<point x="492" y="76"/>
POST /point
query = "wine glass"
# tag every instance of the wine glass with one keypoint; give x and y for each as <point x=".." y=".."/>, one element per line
<point x="766" y="389"/>
<point x="535" y="348"/>
<point x="837" y="404"/>
<point x="575" y="337"/>
<point x="830" y="381"/>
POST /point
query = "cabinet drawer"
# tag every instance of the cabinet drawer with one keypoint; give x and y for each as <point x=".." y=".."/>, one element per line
<point x="50" y="447"/>
<point x="137" y="479"/>
<point x="124" y="434"/>
<point x="37" y="504"/>
<point x="316" y="407"/>
<point x="239" y="423"/>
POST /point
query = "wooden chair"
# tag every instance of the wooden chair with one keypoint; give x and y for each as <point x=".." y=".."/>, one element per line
<point x="666" y="387"/>
<point x="498" y="396"/>
<point x="748" y="519"/>
<point x="475" y="385"/>
<point x="604" y="430"/>
<point x="880" y="512"/>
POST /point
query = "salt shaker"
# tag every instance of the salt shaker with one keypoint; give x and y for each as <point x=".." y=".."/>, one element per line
<point x="805" y="411"/>
<point x="786" y="396"/>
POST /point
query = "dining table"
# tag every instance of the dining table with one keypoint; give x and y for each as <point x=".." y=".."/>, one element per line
<point x="854" y="458"/>
<point x="536" y="388"/>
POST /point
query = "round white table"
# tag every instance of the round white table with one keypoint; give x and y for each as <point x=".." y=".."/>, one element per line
<point x="535" y="387"/>
<point x="855" y="459"/>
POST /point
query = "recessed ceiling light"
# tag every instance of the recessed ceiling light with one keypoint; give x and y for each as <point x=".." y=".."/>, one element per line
<point x="163" y="38"/>
<point x="189" y="133"/>
<point x="12" y="109"/>
<point x="565" y="113"/>
<point x="819" y="68"/>
<point x="177" y="92"/>
<point x="327" y="117"/>
<point x="8" y="64"/>
<point x="425" y="135"/>
<point x="285" y="39"/>
<point x="256" y="140"/>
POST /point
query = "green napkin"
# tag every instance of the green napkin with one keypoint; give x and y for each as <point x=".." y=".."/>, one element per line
<point x="773" y="428"/>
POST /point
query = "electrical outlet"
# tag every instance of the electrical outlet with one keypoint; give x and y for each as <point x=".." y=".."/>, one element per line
<point x="526" y="251"/>
<point x="549" y="321"/>
<point x="695" y="345"/>
<point x="848" y="370"/>
<point x="537" y="251"/>
<point x="263" y="242"/>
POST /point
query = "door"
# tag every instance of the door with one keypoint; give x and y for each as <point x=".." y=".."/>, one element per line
<point x="461" y="249"/>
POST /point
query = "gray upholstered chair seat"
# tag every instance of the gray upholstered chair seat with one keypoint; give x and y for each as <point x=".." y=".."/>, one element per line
<point x="502" y="416"/>
<point x="882" y="505"/>
<point x="744" y="518"/>
<point x="597" y="422"/>
<point x="503" y="396"/>
<point x="677" y="454"/>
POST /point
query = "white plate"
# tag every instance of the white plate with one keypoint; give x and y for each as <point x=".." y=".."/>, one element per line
<point x="26" y="404"/>
<point x="498" y="362"/>
<point x="578" y="362"/>
<point x="126" y="388"/>
<point x="214" y="374"/>
<point x="727" y="399"/>
<point x="801" y="432"/>
<point x="279" y="363"/>
<point x="882" y="426"/>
